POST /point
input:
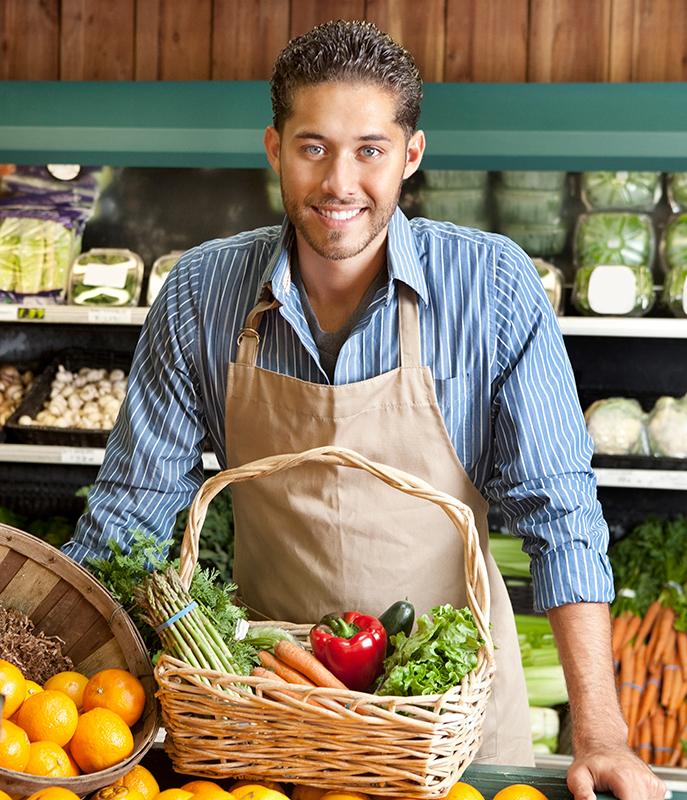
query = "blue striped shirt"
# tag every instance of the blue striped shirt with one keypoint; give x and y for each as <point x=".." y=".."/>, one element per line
<point x="502" y="376"/>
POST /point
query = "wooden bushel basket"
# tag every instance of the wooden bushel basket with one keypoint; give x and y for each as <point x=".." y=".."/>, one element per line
<point x="63" y="599"/>
<point x="247" y="727"/>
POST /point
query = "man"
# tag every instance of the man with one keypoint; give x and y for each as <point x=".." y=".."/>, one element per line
<point x="422" y="345"/>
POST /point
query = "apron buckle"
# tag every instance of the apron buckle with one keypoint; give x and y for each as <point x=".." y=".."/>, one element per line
<point x="248" y="332"/>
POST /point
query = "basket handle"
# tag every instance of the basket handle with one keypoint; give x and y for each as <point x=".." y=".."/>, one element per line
<point x="476" y="581"/>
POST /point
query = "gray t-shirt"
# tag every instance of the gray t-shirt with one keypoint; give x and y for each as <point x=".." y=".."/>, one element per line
<point x="329" y="344"/>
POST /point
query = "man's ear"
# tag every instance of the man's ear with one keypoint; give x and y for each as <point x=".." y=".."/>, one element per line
<point x="414" y="152"/>
<point x="272" y="144"/>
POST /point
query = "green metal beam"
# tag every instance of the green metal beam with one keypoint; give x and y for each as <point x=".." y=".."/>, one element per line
<point x="468" y="126"/>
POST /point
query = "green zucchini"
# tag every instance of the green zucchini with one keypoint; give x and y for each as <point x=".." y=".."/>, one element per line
<point x="398" y="617"/>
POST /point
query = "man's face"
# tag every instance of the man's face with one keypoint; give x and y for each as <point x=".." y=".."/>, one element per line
<point x="341" y="160"/>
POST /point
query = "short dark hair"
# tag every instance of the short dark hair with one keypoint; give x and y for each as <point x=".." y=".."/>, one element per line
<point x="347" y="51"/>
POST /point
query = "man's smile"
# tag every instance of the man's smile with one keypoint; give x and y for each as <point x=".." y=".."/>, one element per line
<point x="344" y="214"/>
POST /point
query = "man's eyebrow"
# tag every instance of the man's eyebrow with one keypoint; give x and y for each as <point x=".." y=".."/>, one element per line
<point x="370" y="137"/>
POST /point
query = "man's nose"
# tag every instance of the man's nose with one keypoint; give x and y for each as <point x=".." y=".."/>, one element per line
<point x="341" y="177"/>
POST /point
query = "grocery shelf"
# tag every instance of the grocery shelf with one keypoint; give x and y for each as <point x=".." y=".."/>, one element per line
<point x="79" y="315"/>
<point x="56" y="454"/>
<point x="640" y="327"/>
<point x="641" y="478"/>
<point x="493" y="126"/>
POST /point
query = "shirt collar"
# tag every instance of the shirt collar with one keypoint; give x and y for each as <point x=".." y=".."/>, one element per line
<point x="403" y="261"/>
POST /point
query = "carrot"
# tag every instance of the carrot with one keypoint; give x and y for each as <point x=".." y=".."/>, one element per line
<point x="682" y="715"/>
<point x="631" y="630"/>
<point x="658" y="722"/>
<point x="665" y="630"/>
<point x="669" y="736"/>
<point x="643" y="749"/>
<point x="650" y="694"/>
<point x="647" y="622"/>
<point x="679" y="693"/>
<point x="681" y="640"/>
<point x="638" y="680"/>
<point x="678" y="752"/>
<point x="670" y="673"/>
<point x="305" y="662"/>
<point x="627" y="671"/>
<point x="282" y="669"/>
<point x="618" y="634"/>
<point x="263" y="672"/>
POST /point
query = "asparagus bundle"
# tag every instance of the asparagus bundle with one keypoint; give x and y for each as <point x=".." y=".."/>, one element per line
<point x="184" y="629"/>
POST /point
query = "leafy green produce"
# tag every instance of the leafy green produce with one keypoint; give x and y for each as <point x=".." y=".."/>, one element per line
<point x="103" y="288"/>
<point x="54" y="530"/>
<point x="614" y="238"/>
<point x="508" y="554"/>
<point x="533" y="179"/>
<point x="674" y="290"/>
<point x="677" y="189"/>
<point x="537" y="240"/>
<point x="123" y="572"/>
<point x="638" y="190"/>
<point x="644" y="296"/>
<point x="541" y="662"/>
<point x="264" y="637"/>
<point x="538" y="207"/>
<point x="675" y="242"/>
<point x="436" y="657"/>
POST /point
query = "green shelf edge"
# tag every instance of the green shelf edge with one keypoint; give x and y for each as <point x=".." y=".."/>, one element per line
<point x="497" y="126"/>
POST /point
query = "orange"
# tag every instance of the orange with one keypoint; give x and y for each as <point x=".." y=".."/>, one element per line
<point x="69" y="682"/>
<point x="4" y="795"/>
<point x="200" y="786"/>
<point x="520" y="791"/>
<point x="47" y="758"/>
<point x="213" y="794"/>
<point x="14" y="747"/>
<point x="48" y="716"/>
<point x="342" y="794"/>
<point x="463" y="791"/>
<point x="13" y="686"/>
<point x="142" y="779"/>
<point x="118" y="691"/>
<point x="256" y="791"/>
<point x="174" y="794"/>
<point x="53" y="793"/>
<point x="101" y="740"/>
<point x="238" y="788"/>
<point x="117" y="793"/>
<point x="32" y="687"/>
<point x="302" y="792"/>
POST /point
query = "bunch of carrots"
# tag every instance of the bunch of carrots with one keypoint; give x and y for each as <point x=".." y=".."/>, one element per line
<point x="292" y="663"/>
<point x="651" y="670"/>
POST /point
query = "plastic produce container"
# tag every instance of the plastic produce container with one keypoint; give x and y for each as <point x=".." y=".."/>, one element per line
<point x="455" y="178"/>
<point x="459" y="206"/>
<point x="673" y="245"/>
<point x="677" y="190"/>
<point x="161" y="268"/>
<point x="540" y="207"/>
<point x="613" y="290"/>
<point x="552" y="279"/>
<point x="106" y="277"/>
<point x="537" y="240"/>
<point x="674" y="296"/>
<point x="621" y="190"/>
<point x="614" y="238"/>
<point x="540" y="180"/>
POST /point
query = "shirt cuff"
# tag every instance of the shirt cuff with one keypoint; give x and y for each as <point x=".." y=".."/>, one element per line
<point x="571" y="575"/>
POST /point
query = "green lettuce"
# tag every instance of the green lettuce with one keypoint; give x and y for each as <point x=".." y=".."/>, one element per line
<point x="436" y="657"/>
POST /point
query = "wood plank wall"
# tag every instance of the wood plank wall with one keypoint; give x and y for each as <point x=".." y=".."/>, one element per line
<point x="452" y="40"/>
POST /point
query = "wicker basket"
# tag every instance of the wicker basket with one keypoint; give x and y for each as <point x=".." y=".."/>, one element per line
<point x="413" y="746"/>
<point x="63" y="599"/>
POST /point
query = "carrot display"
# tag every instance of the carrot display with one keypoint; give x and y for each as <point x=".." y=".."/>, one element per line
<point x="282" y="669"/>
<point x="305" y="662"/>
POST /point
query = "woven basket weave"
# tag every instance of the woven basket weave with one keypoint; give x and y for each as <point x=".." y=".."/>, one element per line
<point x="63" y="599"/>
<point x="246" y="727"/>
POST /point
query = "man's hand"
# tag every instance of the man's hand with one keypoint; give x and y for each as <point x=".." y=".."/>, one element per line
<point x="603" y="760"/>
<point x="616" y="770"/>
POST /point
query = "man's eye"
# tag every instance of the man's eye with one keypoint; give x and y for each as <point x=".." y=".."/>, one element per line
<point x="369" y="152"/>
<point x="314" y="150"/>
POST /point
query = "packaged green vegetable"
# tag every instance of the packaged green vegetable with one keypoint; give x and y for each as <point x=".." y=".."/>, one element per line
<point x="613" y="290"/>
<point x="106" y="277"/>
<point x="623" y="189"/>
<point x="614" y="238"/>
<point x="455" y="178"/>
<point x="674" y="295"/>
<point x="677" y="190"/>
<point x="436" y="657"/>
<point x="534" y="179"/>
<point x="674" y="243"/>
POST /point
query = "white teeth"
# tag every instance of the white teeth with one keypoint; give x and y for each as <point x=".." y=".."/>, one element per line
<point x="340" y="214"/>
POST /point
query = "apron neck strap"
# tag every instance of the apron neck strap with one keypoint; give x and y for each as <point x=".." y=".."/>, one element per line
<point x="249" y="338"/>
<point x="409" y="347"/>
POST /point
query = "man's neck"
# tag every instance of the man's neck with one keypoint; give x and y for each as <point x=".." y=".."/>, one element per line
<point x="335" y="288"/>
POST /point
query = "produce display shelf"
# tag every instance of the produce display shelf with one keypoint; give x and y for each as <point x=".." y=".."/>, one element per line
<point x="569" y="126"/>
<point x="640" y="327"/>
<point x="57" y="454"/>
<point x="641" y="478"/>
<point x="79" y="315"/>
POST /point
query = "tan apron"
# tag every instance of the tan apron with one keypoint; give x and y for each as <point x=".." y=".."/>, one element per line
<point x="318" y="538"/>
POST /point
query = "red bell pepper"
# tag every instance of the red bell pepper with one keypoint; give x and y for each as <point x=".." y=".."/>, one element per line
<point x="352" y="646"/>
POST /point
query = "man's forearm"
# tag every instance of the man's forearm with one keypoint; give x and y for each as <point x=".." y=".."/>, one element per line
<point x="583" y="637"/>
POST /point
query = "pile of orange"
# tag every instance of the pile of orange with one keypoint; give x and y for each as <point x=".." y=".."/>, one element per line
<point x="71" y="725"/>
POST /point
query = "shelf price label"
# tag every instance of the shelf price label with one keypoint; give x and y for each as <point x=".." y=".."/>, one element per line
<point x="30" y="313"/>
<point x="82" y="455"/>
<point x="8" y="313"/>
<point x="115" y="316"/>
